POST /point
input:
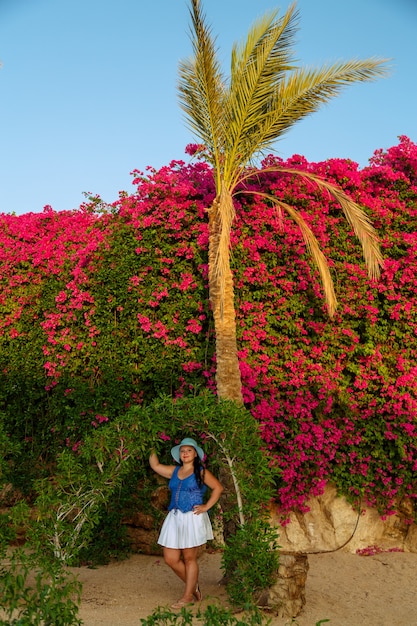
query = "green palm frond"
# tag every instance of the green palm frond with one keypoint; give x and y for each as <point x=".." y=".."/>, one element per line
<point x="305" y="91"/>
<point x="258" y="65"/>
<point x="239" y="120"/>
<point x="201" y="88"/>
<point x="266" y="96"/>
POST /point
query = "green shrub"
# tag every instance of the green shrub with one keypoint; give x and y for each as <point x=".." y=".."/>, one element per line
<point x="212" y="616"/>
<point x="250" y="559"/>
<point x="37" y="591"/>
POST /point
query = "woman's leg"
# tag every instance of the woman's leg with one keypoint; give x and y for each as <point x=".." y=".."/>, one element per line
<point x="191" y="572"/>
<point x="172" y="558"/>
<point x="186" y="569"/>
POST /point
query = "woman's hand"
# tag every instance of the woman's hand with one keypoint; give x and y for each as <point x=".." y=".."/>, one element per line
<point x="200" y="508"/>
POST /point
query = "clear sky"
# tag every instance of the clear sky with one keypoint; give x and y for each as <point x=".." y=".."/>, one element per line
<point x="88" y="88"/>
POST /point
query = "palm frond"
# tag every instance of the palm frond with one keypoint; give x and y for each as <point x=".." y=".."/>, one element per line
<point x="362" y="227"/>
<point x="313" y="248"/>
<point x="258" y="65"/>
<point x="304" y="92"/>
<point x="265" y="55"/>
<point x="355" y="215"/>
<point x="201" y="87"/>
<point x="266" y="95"/>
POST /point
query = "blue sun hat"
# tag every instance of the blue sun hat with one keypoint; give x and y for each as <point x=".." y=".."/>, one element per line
<point x="175" y="451"/>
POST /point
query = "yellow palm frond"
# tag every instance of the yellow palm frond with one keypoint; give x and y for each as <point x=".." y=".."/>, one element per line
<point x="362" y="227"/>
<point x="313" y="248"/>
<point x="355" y="215"/>
<point x="357" y="218"/>
<point x="266" y="95"/>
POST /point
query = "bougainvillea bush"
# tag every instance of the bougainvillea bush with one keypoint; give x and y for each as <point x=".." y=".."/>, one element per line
<point x="106" y="307"/>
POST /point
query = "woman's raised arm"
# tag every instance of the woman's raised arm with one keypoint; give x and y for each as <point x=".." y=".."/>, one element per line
<point x="159" y="468"/>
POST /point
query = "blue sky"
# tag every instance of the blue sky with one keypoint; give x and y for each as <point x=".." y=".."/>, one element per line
<point x="88" y="88"/>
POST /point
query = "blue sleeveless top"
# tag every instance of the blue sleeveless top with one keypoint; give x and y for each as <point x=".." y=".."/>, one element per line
<point x="185" y="493"/>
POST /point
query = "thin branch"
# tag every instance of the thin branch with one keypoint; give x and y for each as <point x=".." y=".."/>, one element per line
<point x="230" y="463"/>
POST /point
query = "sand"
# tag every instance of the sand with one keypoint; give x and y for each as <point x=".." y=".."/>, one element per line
<point x="346" y="589"/>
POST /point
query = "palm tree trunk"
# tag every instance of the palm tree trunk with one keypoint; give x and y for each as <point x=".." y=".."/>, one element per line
<point x="221" y="292"/>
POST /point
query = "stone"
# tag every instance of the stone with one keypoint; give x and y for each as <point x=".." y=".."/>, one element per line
<point x="140" y="520"/>
<point x="143" y="541"/>
<point x="333" y="524"/>
<point x="286" y="597"/>
<point x="160" y="498"/>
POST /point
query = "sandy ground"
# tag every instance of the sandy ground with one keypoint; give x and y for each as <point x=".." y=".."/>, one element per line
<point x="346" y="589"/>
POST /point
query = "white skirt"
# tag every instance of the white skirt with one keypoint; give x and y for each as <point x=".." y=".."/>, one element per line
<point x="185" y="530"/>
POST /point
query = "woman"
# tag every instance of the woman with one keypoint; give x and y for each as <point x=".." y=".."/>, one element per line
<point x="187" y="525"/>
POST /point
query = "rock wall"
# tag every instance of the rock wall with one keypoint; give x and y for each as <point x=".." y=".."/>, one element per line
<point x="143" y="528"/>
<point x="333" y="524"/>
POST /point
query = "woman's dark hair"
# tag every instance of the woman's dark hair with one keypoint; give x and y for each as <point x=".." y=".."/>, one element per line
<point x="199" y="471"/>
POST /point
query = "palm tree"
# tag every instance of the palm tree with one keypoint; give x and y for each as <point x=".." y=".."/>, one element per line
<point x="239" y="119"/>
